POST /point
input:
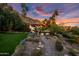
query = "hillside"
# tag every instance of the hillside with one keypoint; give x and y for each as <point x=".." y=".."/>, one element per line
<point x="29" y="20"/>
<point x="11" y="20"/>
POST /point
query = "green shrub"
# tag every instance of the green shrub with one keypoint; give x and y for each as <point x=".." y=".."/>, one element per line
<point x="71" y="38"/>
<point x="56" y="29"/>
<point x="72" y="52"/>
<point x="68" y="35"/>
<point x="71" y="41"/>
<point x="75" y="30"/>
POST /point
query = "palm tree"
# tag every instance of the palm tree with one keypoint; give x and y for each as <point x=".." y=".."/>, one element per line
<point x="23" y="6"/>
<point x="56" y="13"/>
<point x="52" y="19"/>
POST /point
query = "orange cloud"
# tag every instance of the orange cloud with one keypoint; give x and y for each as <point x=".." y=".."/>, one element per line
<point x="70" y="21"/>
<point x="67" y="20"/>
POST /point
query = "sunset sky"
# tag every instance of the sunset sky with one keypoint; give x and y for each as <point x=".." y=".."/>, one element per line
<point x="67" y="12"/>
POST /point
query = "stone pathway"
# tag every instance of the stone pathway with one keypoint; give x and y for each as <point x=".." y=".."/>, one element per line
<point x="46" y="44"/>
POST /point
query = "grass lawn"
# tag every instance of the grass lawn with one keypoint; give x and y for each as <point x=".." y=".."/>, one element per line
<point x="9" y="41"/>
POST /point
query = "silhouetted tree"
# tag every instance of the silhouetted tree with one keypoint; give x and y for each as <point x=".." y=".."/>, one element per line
<point x="24" y="8"/>
<point x="52" y="18"/>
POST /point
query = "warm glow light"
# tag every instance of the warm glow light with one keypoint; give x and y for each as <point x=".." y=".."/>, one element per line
<point x="71" y="20"/>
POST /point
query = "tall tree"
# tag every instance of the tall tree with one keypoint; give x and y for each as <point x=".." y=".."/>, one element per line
<point x="10" y="19"/>
<point x="52" y="19"/>
<point x="24" y="8"/>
